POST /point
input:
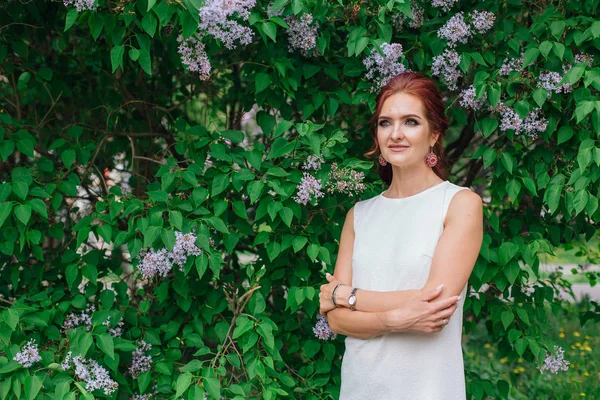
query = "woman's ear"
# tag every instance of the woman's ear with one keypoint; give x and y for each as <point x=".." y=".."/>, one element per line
<point x="435" y="135"/>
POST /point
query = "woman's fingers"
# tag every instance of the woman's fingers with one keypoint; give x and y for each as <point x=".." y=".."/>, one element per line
<point x="443" y="304"/>
<point x="432" y="293"/>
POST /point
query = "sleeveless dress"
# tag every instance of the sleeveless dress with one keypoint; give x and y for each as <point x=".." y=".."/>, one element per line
<point x="393" y="248"/>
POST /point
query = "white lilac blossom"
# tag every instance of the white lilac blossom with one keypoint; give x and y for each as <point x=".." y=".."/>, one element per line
<point x="443" y="4"/>
<point x="345" y="180"/>
<point x="555" y="363"/>
<point x="117" y="330"/>
<point x="322" y="329"/>
<point x="216" y="20"/>
<point x="301" y="35"/>
<point x="511" y="120"/>
<point x="531" y="125"/>
<point x="482" y="21"/>
<point x="194" y="57"/>
<point x="455" y="30"/>
<point x="93" y="374"/>
<point x="467" y="99"/>
<point x="29" y="355"/>
<point x="310" y="187"/>
<point x="313" y="162"/>
<point x="549" y="80"/>
<point x="382" y="68"/>
<point x="160" y="262"/>
<point x="446" y="66"/>
<point x="511" y="64"/>
<point x="140" y="362"/>
<point x="81" y="5"/>
<point x="416" y="18"/>
<point x="73" y="321"/>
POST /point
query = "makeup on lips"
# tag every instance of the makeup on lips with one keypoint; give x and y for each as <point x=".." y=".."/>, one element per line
<point x="398" y="148"/>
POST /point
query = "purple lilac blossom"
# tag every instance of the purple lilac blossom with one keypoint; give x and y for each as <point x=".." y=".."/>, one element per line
<point x="140" y="363"/>
<point x="117" y="330"/>
<point x="345" y="180"/>
<point x="313" y="162"/>
<point x="153" y="262"/>
<point x="482" y="21"/>
<point x="455" y="30"/>
<point x="467" y="99"/>
<point x="549" y="80"/>
<point x="194" y="57"/>
<point x="446" y="66"/>
<point x="29" y="355"/>
<point x="555" y="363"/>
<point x="322" y="329"/>
<point x="185" y="246"/>
<point x="81" y="5"/>
<point x="511" y="64"/>
<point x="382" y="68"/>
<point x="215" y="20"/>
<point x="531" y="125"/>
<point x="309" y="187"/>
<point x="88" y="370"/>
<point x="302" y="36"/>
<point x="416" y="18"/>
<point x="584" y="58"/>
<point x="443" y="4"/>
<point x="73" y="321"/>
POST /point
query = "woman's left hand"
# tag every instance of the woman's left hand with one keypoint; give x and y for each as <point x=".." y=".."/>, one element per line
<point x="326" y="304"/>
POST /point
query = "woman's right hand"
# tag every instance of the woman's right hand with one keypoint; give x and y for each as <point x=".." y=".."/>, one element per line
<point x="422" y="315"/>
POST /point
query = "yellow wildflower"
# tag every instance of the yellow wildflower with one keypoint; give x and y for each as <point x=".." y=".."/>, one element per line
<point x="576" y="334"/>
<point x="487" y="345"/>
<point x="562" y="335"/>
<point x="516" y="371"/>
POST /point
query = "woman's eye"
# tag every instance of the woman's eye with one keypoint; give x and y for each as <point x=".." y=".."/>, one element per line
<point x="412" y="120"/>
<point x="381" y="123"/>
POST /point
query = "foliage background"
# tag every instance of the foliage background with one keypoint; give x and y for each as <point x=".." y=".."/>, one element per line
<point x="110" y="146"/>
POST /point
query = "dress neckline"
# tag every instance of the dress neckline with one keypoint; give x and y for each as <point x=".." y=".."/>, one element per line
<point x="398" y="199"/>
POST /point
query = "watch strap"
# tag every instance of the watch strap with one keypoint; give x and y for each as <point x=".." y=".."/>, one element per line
<point x="333" y="293"/>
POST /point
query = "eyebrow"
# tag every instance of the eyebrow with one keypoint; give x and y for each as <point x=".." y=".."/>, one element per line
<point x="402" y="116"/>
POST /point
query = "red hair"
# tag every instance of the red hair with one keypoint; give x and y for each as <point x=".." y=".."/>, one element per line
<point x="423" y="87"/>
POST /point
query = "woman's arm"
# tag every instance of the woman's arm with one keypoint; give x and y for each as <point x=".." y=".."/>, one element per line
<point x="373" y="301"/>
<point x="358" y="324"/>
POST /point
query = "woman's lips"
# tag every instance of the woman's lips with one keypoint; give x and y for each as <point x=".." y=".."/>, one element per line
<point x="398" y="149"/>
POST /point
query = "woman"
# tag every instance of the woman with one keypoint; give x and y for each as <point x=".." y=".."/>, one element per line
<point x="397" y="250"/>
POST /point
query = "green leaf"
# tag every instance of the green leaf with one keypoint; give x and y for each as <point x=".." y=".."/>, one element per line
<point x="149" y="24"/>
<point x="68" y="157"/>
<point x="116" y="57"/>
<point x="11" y="317"/>
<point x="183" y="383"/>
<point x="262" y="81"/>
<point x="150" y="235"/>
<point x="39" y="207"/>
<point x="564" y="134"/>
<point x="96" y="23"/>
<point x="176" y="219"/>
<point x="145" y="62"/>
<point x="280" y="148"/>
<point x="507" y="318"/>
<point x="151" y="4"/>
<point x="530" y="56"/>
<point x="511" y="271"/>
<point x="521" y="346"/>
<point x="32" y="385"/>
<point x="72" y="15"/>
<point x="513" y="188"/>
<point x="270" y="30"/>
<point x="540" y="95"/>
<point x="508" y="162"/>
<point x="106" y="344"/>
<point x="243" y="324"/>
<point x="212" y="386"/>
<point x="20" y="188"/>
<point x="5" y="209"/>
<point x="23" y="213"/>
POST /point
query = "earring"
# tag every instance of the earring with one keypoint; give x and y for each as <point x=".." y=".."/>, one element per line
<point x="382" y="160"/>
<point x="431" y="159"/>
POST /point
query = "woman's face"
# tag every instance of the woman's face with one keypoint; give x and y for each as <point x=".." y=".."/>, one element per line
<point x="402" y="122"/>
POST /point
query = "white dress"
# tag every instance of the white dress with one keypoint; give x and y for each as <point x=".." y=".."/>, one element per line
<point x="393" y="248"/>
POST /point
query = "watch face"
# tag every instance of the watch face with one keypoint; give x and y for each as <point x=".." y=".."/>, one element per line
<point x="352" y="300"/>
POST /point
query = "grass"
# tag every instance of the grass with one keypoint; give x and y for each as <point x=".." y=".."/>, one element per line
<point x="582" y="350"/>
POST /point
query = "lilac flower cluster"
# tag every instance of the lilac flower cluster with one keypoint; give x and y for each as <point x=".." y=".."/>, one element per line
<point x="81" y="5"/>
<point x="467" y="99"/>
<point x="382" y="68"/>
<point x="88" y="370"/>
<point x="482" y="21"/>
<point x="161" y="262"/>
<point x="309" y="188"/>
<point x="584" y="58"/>
<point x="73" y="321"/>
<point x="445" y="5"/>
<point x="117" y="330"/>
<point x="446" y="66"/>
<point x="531" y="125"/>
<point x="345" y="180"/>
<point x="193" y="56"/>
<point x="216" y="20"/>
<point x="416" y="19"/>
<point x="455" y="30"/>
<point x="301" y="35"/>
<point x="550" y="81"/>
<point x="511" y="64"/>
<point x="555" y="363"/>
<point x="29" y="355"/>
<point x="140" y="363"/>
<point x="313" y="162"/>
<point x="322" y="329"/>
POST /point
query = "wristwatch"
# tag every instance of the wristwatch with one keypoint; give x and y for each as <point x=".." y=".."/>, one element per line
<point x="352" y="299"/>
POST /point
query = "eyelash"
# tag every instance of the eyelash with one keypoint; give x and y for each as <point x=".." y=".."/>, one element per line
<point x="410" y="119"/>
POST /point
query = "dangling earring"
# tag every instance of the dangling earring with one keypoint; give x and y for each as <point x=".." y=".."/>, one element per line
<point x="431" y="159"/>
<point x="382" y="160"/>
